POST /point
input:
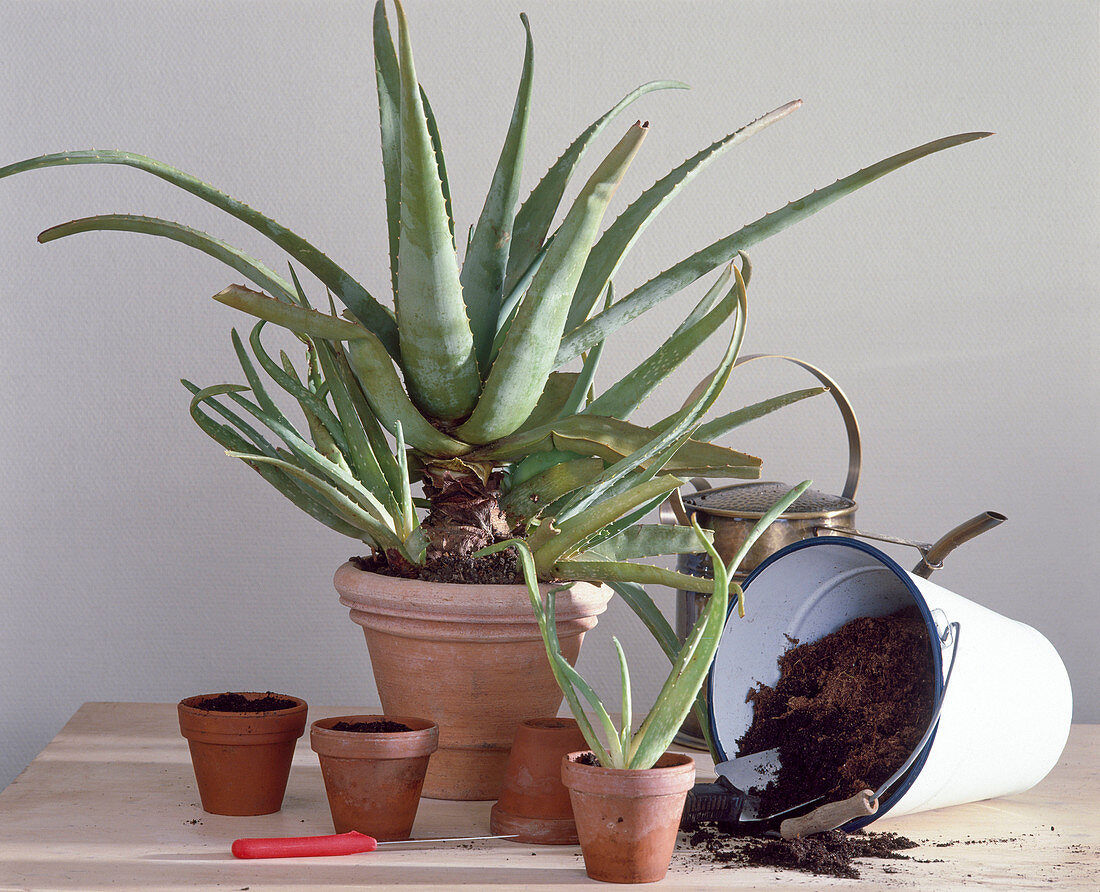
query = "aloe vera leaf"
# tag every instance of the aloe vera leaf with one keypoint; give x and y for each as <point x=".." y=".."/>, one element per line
<point x="346" y="507"/>
<point x="625" y="395"/>
<point x="613" y="529"/>
<point x="486" y="260"/>
<point x="390" y="404"/>
<point x="613" y="440"/>
<point x="440" y="164"/>
<point x="649" y="540"/>
<point x="610" y="572"/>
<point x="510" y="306"/>
<point x="524" y="361"/>
<point x="413" y="537"/>
<point x="552" y="401"/>
<point x="193" y="238"/>
<point x="690" y="667"/>
<point x="549" y="634"/>
<point x="624" y="679"/>
<point x="574" y="531"/>
<point x="608" y="253"/>
<point x="578" y="399"/>
<point x="656" y="453"/>
<point x="536" y="214"/>
<point x="526" y="499"/>
<point x="638" y="599"/>
<point x="375" y="434"/>
<point x="290" y="488"/>
<point x="437" y="347"/>
<point x="288" y="380"/>
<point x="725" y="423"/>
<point x="536" y="463"/>
<point x="361" y="455"/>
<point x="291" y="316"/>
<point x="365" y="308"/>
<point x="388" y="79"/>
<point x="308" y="455"/>
<point x="708" y="300"/>
<point x="722" y="251"/>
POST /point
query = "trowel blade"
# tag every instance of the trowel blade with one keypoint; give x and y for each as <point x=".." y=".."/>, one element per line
<point x="751" y="771"/>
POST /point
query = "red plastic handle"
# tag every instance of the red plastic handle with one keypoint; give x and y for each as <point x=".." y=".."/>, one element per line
<point x="348" y="843"/>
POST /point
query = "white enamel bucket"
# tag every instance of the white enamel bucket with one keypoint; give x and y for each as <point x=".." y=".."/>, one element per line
<point x="1003" y="719"/>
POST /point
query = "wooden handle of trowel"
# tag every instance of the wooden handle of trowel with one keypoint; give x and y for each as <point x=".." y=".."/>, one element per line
<point x="830" y="816"/>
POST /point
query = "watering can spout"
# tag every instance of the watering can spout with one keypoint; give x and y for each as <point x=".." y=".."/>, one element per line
<point x="932" y="559"/>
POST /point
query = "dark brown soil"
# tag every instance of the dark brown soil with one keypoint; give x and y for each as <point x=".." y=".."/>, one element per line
<point x="847" y="710"/>
<point x="588" y="759"/>
<point x="827" y="854"/>
<point x="384" y="726"/>
<point x="499" y="568"/>
<point x="232" y="702"/>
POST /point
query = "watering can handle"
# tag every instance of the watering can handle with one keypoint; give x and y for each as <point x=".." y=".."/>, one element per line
<point x="673" y="511"/>
<point x="851" y="425"/>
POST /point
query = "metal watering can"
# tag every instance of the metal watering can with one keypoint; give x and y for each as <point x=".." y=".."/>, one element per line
<point x="730" y="512"/>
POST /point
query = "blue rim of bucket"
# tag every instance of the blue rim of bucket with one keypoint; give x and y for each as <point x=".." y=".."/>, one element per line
<point x="937" y="661"/>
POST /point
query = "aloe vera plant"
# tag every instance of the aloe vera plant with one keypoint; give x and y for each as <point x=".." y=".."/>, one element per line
<point x="477" y="381"/>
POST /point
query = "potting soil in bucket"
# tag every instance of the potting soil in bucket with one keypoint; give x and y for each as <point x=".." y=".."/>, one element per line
<point x="1004" y="716"/>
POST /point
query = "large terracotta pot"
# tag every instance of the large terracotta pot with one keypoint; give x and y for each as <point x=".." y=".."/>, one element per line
<point x="627" y="819"/>
<point x="470" y="658"/>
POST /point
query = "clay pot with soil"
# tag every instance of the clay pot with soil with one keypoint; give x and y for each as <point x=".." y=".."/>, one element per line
<point x="373" y="767"/>
<point x="241" y="746"/>
<point x="534" y="805"/>
<point x="468" y="657"/>
<point x="627" y="819"/>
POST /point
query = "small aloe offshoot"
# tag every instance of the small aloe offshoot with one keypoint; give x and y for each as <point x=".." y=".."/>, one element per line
<point x="621" y="747"/>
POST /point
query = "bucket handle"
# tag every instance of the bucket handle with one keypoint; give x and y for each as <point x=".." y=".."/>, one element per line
<point x="949" y="636"/>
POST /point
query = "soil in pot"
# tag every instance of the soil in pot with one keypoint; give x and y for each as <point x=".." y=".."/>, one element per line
<point x="242" y="744"/>
<point x="234" y="702"/>
<point x="373" y="767"/>
<point x="847" y="710"/>
<point x="499" y="568"/>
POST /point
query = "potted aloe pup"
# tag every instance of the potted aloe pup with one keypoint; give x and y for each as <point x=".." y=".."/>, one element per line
<point x="481" y="373"/>
<point x="628" y="794"/>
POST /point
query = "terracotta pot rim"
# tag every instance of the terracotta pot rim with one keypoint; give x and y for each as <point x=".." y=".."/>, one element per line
<point x="674" y="773"/>
<point x="375" y="593"/>
<point x="190" y="704"/>
<point x="421" y="740"/>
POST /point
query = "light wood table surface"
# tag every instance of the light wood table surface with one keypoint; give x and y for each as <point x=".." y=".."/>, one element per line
<point x="111" y="804"/>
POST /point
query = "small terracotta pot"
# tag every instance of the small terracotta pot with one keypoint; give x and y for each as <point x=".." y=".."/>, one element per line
<point x="241" y="759"/>
<point x="534" y="804"/>
<point x="627" y="820"/>
<point x="468" y="657"/>
<point x="374" y="779"/>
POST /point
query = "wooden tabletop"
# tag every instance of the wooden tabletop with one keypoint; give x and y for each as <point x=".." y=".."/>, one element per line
<point x="111" y="803"/>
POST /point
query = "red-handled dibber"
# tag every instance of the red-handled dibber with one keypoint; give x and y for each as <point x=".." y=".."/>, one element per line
<point x="351" y="843"/>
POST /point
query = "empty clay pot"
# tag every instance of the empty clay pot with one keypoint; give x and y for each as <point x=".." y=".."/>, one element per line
<point x="627" y="819"/>
<point x="534" y="804"/>
<point x="241" y="759"/>
<point x="374" y="778"/>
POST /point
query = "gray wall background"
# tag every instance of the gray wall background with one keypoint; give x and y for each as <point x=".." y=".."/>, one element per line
<point x="955" y="301"/>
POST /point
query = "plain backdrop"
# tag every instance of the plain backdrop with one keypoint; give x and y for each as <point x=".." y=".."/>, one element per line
<point x="955" y="301"/>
